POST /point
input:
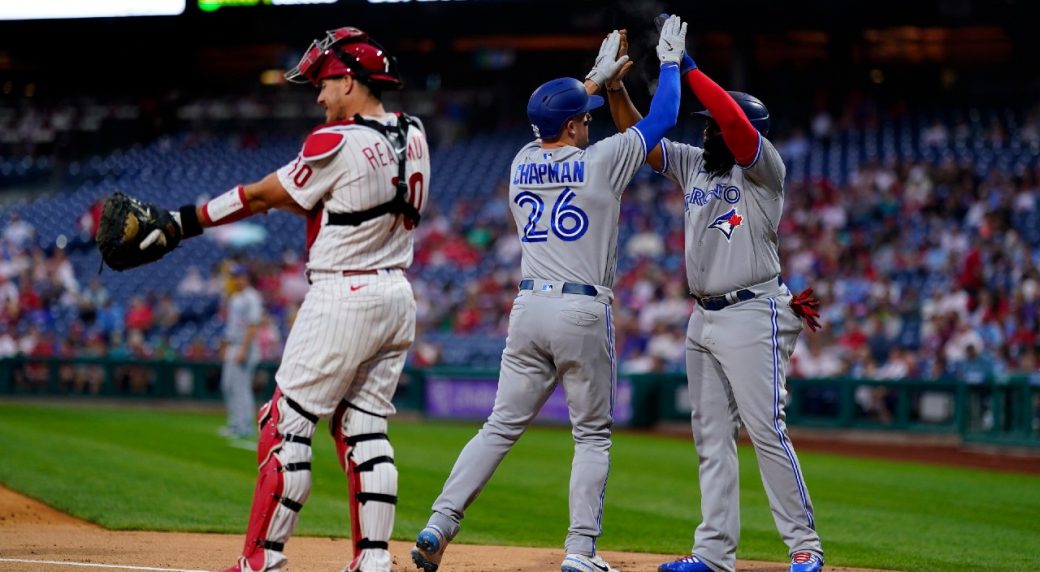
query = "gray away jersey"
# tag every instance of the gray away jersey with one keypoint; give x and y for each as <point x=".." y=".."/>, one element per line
<point x="244" y="309"/>
<point x="731" y="220"/>
<point x="566" y="203"/>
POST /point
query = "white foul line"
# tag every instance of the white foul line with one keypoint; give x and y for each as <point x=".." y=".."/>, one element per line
<point x="89" y="565"/>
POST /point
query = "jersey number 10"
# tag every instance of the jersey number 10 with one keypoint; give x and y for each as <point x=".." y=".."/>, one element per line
<point x="567" y="222"/>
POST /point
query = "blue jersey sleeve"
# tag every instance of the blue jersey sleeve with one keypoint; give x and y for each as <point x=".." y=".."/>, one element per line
<point x="664" y="108"/>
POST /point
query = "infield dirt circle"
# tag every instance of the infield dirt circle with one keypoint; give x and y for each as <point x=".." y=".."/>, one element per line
<point x="37" y="538"/>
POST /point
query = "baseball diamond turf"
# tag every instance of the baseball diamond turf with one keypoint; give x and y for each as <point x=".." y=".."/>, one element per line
<point x="131" y="468"/>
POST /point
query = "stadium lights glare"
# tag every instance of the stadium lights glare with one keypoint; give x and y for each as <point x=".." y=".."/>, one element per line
<point x="56" y="9"/>
<point x="212" y="5"/>
<point x="272" y="77"/>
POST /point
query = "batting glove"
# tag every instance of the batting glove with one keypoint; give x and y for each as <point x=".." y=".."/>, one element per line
<point x="607" y="61"/>
<point x="687" y="63"/>
<point x="672" y="44"/>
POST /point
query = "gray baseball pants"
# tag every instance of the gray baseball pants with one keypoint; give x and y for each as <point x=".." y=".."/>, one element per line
<point x="553" y="338"/>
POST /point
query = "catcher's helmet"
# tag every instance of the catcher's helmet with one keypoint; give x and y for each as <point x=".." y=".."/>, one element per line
<point x="347" y="51"/>
<point x="556" y="101"/>
<point x="753" y="107"/>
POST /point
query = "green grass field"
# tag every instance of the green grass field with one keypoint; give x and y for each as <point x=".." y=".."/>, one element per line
<point x="152" y="469"/>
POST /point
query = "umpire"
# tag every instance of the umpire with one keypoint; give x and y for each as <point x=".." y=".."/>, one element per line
<point x="241" y="353"/>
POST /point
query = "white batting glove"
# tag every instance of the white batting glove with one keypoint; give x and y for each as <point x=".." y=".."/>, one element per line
<point x="672" y="44"/>
<point x="607" y="61"/>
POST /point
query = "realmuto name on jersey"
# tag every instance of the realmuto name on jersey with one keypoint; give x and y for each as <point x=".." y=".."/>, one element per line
<point x="379" y="154"/>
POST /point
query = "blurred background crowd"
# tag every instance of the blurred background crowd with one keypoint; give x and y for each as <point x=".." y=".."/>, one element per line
<point x="910" y="204"/>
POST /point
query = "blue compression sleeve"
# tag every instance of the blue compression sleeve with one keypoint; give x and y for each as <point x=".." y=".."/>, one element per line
<point x="687" y="64"/>
<point x="664" y="107"/>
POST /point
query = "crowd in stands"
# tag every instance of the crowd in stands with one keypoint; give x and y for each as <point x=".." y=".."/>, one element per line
<point x="926" y="269"/>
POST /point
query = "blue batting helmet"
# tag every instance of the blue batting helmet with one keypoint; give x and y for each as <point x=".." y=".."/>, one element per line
<point x="753" y="107"/>
<point x="556" y="101"/>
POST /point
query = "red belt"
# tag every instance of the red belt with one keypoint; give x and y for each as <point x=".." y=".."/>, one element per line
<point x="343" y="272"/>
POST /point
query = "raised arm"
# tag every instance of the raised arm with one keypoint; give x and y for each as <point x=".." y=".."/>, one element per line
<point x="610" y="61"/>
<point x="664" y="107"/>
<point x="623" y="111"/>
<point x="739" y="134"/>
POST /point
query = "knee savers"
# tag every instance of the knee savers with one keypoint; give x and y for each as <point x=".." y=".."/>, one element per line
<point x="367" y="458"/>
<point x="283" y="484"/>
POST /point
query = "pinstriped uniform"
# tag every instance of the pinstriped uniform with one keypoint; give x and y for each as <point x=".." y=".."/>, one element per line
<point x="357" y="177"/>
<point x="347" y="346"/>
<point x="565" y="202"/>
<point x="351" y="334"/>
<point x="737" y="356"/>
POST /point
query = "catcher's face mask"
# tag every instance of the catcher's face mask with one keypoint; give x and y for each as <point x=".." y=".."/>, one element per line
<point x="342" y="52"/>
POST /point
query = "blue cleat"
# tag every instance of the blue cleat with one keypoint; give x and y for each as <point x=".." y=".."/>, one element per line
<point x="429" y="548"/>
<point x="805" y="561"/>
<point x="685" y="564"/>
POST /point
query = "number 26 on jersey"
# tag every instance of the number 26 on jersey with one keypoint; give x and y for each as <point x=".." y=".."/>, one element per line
<point x="567" y="221"/>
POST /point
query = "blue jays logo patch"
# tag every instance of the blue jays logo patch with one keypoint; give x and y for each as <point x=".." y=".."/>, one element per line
<point x="727" y="223"/>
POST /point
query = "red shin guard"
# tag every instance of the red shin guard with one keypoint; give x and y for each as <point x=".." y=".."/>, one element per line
<point x="283" y="482"/>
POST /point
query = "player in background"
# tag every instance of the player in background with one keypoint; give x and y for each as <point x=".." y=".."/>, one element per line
<point x="241" y="353"/>
<point x="361" y="180"/>
<point x="740" y="338"/>
<point x="565" y="198"/>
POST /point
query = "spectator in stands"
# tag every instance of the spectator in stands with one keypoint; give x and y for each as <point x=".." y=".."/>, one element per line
<point x="645" y="242"/>
<point x="814" y="358"/>
<point x="902" y="242"/>
<point x="29" y="300"/>
<point x="269" y="339"/>
<point x="935" y="136"/>
<point x="19" y="232"/>
<point x="167" y="314"/>
<point x="87" y="223"/>
<point x="197" y="350"/>
<point x="110" y="318"/>
<point x="964" y="337"/>
<point x="977" y="366"/>
<point x="293" y="281"/>
<point x="9" y="299"/>
<point x="139" y="315"/>
<point x="90" y="300"/>
<point x="89" y="377"/>
<point x="8" y="345"/>
<point x="193" y="283"/>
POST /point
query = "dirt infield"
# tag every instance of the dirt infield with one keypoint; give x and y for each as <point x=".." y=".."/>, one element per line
<point x="37" y="538"/>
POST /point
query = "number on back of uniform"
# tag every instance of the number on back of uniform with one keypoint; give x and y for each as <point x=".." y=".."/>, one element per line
<point x="567" y="221"/>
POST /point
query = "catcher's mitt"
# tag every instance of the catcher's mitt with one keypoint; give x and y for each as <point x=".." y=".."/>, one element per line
<point x="132" y="233"/>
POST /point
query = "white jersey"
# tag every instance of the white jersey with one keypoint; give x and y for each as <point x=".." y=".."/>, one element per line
<point x="348" y="168"/>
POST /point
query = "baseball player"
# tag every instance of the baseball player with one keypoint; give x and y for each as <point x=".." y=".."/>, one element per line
<point x="741" y="336"/>
<point x="361" y="180"/>
<point x="565" y="199"/>
<point x="241" y="353"/>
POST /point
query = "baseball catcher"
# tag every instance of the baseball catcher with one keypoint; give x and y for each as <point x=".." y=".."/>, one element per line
<point x="361" y="180"/>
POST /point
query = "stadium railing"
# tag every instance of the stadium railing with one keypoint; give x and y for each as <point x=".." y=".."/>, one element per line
<point x="1003" y="410"/>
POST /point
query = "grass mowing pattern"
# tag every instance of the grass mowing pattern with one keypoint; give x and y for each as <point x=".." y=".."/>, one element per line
<point x="143" y="469"/>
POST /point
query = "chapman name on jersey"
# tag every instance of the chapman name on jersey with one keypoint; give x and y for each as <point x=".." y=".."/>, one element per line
<point x="550" y="173"/>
